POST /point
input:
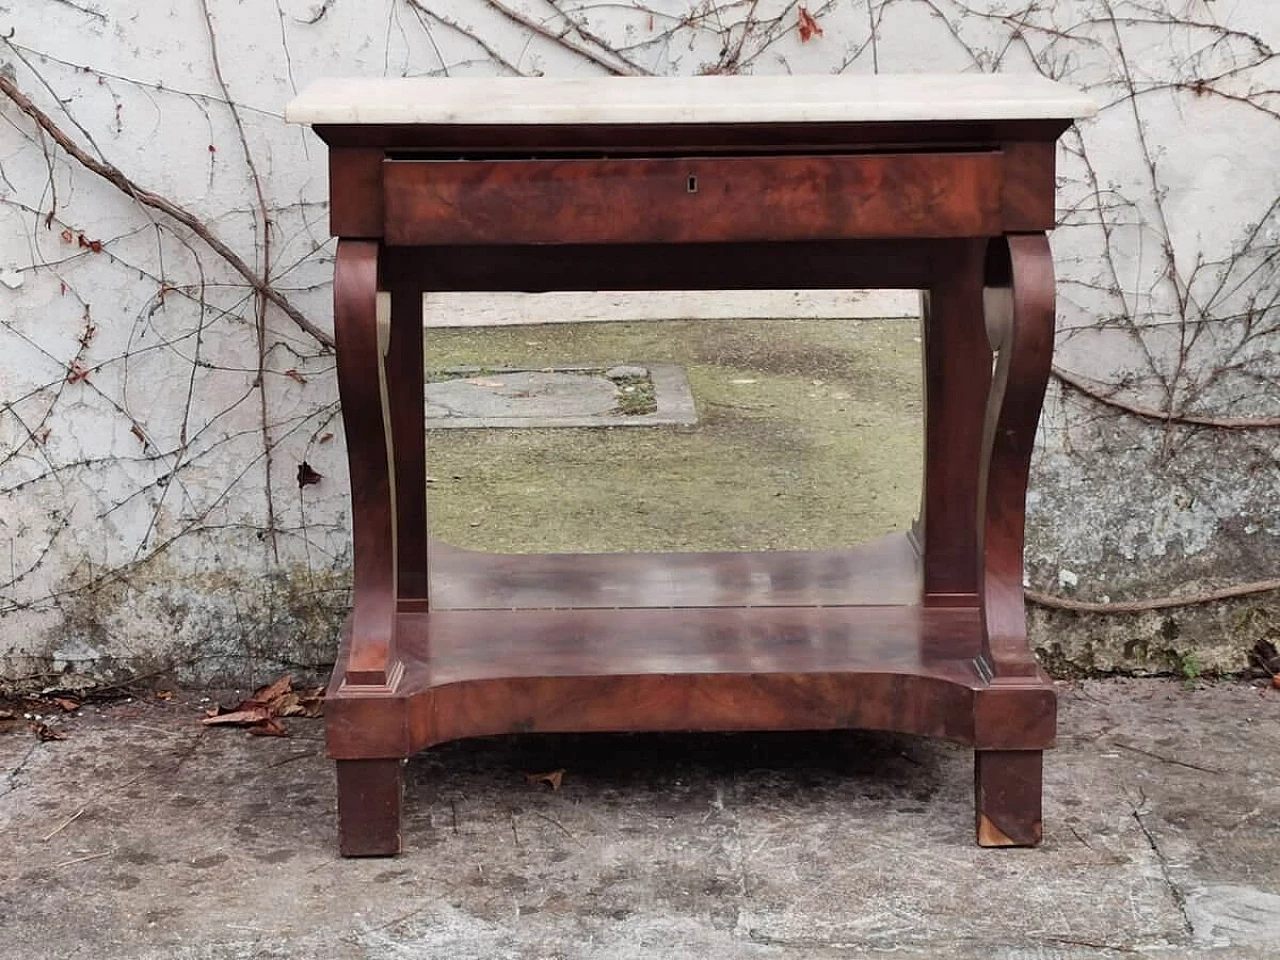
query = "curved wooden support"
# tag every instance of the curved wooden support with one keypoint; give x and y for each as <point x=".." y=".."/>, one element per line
<point x="1019" y="305"/>
<point x="404" y="366"/>
<point x="361" y="385"/>
<point x="957" y="377"/>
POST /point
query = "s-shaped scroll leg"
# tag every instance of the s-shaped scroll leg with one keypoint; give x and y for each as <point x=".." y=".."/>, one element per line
<point x="1019" y="300"/>
<point x="372" y="659"/>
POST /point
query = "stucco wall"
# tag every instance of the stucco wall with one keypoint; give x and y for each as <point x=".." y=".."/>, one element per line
<point x="154" y="408"/>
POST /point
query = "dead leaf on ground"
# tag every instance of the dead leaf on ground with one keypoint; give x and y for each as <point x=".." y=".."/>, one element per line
<point x="259" y="714"/>
<point x="164" y="694"/>
<point x="553" y="778"/>
<point x="50" y="705"/>
<point x="44" y="732"/>
<point x="273" y="691"/>
<point x="237" y="717"/>
<point x="307" y="703"/>
<point x="312" y="702"/>
<point x="271" y="727"/>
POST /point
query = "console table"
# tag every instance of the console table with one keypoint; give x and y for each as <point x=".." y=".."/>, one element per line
<point x="939" y="183"/>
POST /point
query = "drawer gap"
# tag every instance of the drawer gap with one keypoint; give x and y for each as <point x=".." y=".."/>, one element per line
<point x="453" y="156"/>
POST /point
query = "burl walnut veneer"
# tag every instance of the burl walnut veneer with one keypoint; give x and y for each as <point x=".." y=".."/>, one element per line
<point x="939" y="183"/>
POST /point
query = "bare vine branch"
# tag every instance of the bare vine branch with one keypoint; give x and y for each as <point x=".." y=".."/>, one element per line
<point x="611" y="64"/>
<point x="1080" y="385"/>
<point x="260" y="313"/>
<point x="123" y="183"/>
<point x="1052" y="602"/>
<point x="1195" y="320"/>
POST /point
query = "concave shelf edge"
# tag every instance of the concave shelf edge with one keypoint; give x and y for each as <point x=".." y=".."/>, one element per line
<point x="479" y="673"/>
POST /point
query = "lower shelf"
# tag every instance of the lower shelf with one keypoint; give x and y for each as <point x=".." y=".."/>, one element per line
<point x="458" y="646"/>
<point x="473" y="673"/>
<point x="883" y="571"/>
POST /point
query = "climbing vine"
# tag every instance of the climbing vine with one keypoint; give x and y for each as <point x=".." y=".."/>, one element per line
<point x="164" y="344"/>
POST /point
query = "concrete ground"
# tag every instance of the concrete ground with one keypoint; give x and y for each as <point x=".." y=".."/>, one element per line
<point x="145" y="835"/>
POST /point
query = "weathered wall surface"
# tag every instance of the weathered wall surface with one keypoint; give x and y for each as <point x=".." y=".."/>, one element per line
<point x="156" y="400"/>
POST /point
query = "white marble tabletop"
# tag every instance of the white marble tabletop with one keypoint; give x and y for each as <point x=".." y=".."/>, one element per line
<point x="680" y="100"/>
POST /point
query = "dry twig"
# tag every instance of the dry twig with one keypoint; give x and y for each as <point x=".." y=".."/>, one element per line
<point x="1155" y="603"/>
<point x="1080" y="385"/>
<point x="155" y="201"/>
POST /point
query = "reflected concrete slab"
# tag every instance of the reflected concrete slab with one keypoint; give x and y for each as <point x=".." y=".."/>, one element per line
<point x="562" y="396"/>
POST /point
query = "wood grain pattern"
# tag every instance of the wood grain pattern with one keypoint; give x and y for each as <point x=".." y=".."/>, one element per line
<point x="695" y="702"/>
<point x="482" y="672"/>
<point x="957" y="374"/>
<point x="445" y="643"/>
<point x="1015" y="714"/>
<point x="355" y="192"/>
<point x="1007" y="797"/>
<point x="883" y="572"/>
<point x="470" y="645"/>
<point x="692" y="200"/>
<point x="1029" y="177"/>
<point x="405" y="375"/>
<point x="369" y="801"/>
<point x="1020" y="323"/>
<point x="355" y="289"/>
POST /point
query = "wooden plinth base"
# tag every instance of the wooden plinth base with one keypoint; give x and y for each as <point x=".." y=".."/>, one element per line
<point x="751" y="642"/>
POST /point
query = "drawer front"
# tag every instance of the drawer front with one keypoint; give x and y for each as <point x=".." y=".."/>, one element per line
<point x="891" y="196"/>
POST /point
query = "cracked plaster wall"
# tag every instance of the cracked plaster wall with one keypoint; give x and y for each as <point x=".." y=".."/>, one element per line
<point x="153" y="410"/>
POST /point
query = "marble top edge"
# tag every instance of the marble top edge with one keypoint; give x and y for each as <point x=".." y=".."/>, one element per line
<point x="678" y="100"/>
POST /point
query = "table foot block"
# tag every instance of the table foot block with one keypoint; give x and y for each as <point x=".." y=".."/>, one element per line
<point x="369" y="801"/>
<point x="1007" y="789"/>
